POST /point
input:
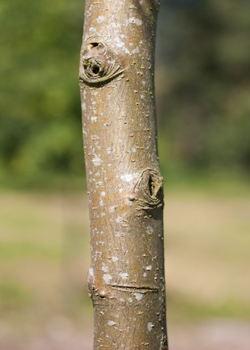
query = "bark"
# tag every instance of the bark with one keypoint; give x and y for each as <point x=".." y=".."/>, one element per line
<point x="126" y="277"/>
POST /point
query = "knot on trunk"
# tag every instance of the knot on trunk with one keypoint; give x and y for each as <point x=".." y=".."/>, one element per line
<point x="93" y="290"/>
<point x="98" y="63"/>
<point x="148" y="190"/>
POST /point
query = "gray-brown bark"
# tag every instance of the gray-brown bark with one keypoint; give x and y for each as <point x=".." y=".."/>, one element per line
<point x="126" y="277"/>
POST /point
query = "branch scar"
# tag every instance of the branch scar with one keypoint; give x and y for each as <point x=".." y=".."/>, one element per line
<point x="98" y="63"/>
<point x="148" y="190"/>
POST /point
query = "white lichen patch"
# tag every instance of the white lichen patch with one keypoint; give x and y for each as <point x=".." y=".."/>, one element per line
<point x="114" y="258"/>
<point x="118" y="43"/>
<point x="138" y="296"/>
<point x="150" y="326"/>
<point x="101" y="203"/>
<point x="111" y="209"/>
<point x="107" y="278"/>
<point x="149" y="267"/>
<point x="111" y="323"/>
<point x="91" y="271"/>
<point x="104" y="267"/>
<point x="134" y="20"/>
<point x="96" y="160"/>
<point x="119" y="220"/>
<point x="123" y="275"/>
<point x="150" y="230"/>
<point x="100" y="19"/>
<point x="103" y="194"/>
<point x="115" y="25"/>
<point x="136" y="50"/>
<point x="129" y="177"/>
<point x="145" y="274"/>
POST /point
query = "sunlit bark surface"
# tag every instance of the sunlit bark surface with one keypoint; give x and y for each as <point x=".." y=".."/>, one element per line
<point x="126" y="277"/>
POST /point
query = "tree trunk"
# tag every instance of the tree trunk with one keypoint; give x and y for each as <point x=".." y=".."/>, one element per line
<point x="126" y="277"/>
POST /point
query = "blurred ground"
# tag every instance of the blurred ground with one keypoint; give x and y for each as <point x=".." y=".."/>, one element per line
<point x="223" y="335"/>
<point x="44" y="257"/>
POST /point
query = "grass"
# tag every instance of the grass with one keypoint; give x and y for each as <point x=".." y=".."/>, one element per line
<point x="13" y="296"/>
<point x="44" y="256"/>
<point x="207" y="256"/>
<point x="184" y="309"/>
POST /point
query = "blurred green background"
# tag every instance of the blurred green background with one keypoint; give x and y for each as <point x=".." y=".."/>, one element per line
<point x="203" y="104"/>
<point x="202" y="74"/>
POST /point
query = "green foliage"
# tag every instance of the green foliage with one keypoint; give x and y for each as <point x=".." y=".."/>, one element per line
<point x="193" y="309"/>
<point x="13" y="296"/>
<point x="203" y="92"/>
<point x="40" y="125"/>
<point x="203" y="66"/>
